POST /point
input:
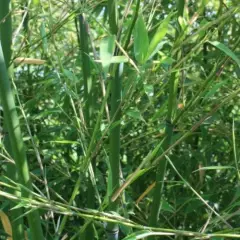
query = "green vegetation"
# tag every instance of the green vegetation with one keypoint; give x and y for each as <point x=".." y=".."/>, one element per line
<point x="119" y="119"/>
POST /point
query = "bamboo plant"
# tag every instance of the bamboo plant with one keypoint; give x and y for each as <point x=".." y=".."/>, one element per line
<point x="12" y="126"/>
<point x="115" y="115"/>
<point x="172" y="105"/>
<point x="87" y="80"/>
<point x="6" y="39"/>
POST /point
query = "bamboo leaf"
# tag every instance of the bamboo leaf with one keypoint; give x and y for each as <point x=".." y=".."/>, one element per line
<point x="107" y="46"/>
<point x="141" y="41"/>
<point x="214" y="89"/>
<point x="24" y="60"/>
<point x="134" y="113"/>
<point x="64" y="142"/>
<point x="6" y="224"/>
<point x="70" y="75"/>
<point x="167" y="207"/>
<point x="215" y="168"/>
<point x="226" y="50"/>
<point x="145" y="233"/>
<point x="119" y="59"/>
<point x="149" y="90"/>
<point x="36" y="2"/>
<point x="139" y="174"/>
<point x="133" y="236"/>
<point x="159" y="35"/>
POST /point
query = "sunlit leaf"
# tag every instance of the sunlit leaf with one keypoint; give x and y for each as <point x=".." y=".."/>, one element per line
<point x="33" y="61"/>
<point x="145" y="233"/>
<point x="134" y="236"/>
<point x="215" y="168"/>
<point x="36" y="2"/>
<point x="226" y="50"/>
<point x="107" y="46"/>
<point x="65" y="142"/>
<point x="141" y="41"/>
<point x="149" y="90"/>
<point x="139" y="174"/>
<point x="159" y="35"/>
<point x="119" y="59"/>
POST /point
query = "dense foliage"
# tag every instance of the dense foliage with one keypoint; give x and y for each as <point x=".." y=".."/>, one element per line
<point x="129" y="112"/>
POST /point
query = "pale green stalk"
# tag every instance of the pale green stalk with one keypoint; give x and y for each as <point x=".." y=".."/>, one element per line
<point x="6" y="42"/>
<point x="112" y="229"/>
<point x="172" y="104"/>
<point x="6" y="30"/>
<point x="17" y="145"/>
<point x="87" y="81"/>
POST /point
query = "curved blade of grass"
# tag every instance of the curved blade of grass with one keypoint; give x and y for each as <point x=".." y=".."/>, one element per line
<point x="226" y="50"/>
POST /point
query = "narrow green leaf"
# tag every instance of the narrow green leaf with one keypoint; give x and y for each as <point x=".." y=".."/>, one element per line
<point x="167" y="207"/>
<point x="133" y="236"/>
<point x="139" y="174"/>
<point x="214" y="89"/>
<point x="134" y="113"/>
<point x="202" y="33"/>
<point x="125" y="229"/>
<point x="215" y="168"/>
<point x="145" y="233"/>
<point x="141" y="41"/>
<point x="36" y="2"/>
<point x="149" y="90"/>
<point x="70" y="75"/>
<point x="65" y="142"/>
<point x="46" y="113"/>
<point x="226" y="50"/>
<point x="159" y="35"/>
<point x="107" y="46"/>
<point x="119" y="59"/>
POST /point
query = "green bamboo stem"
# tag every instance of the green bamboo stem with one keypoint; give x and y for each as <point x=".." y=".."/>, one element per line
<point x="113" y="17"/>
<point x="17" y="145"/>
<point x="87" y="81"/>
<point x="16" y="220"/>
<point x="6" y="42"/>
<point x="6" y="30"/>
<point x="112" y="229"/>
<point x="161" y="169"/>
<point x="85" y="68"/>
